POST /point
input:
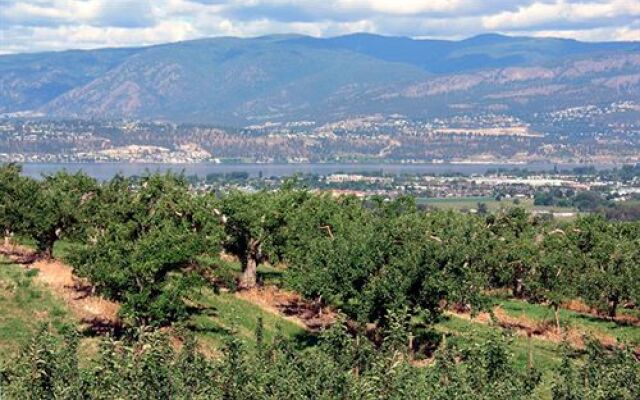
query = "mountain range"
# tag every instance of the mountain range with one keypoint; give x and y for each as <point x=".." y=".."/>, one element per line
<point x="237" y="81"/>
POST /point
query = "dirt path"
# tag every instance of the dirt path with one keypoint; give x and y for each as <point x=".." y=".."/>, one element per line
<point x="582" y="308"/>
<point x="94" y="312"/>
<point x="289" y="306"/>
<point x="544" y="330"/>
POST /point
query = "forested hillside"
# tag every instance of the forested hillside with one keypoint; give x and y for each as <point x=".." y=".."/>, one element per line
<point x="404" y="286"/>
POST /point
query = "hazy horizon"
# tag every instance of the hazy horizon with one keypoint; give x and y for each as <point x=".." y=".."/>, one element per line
<point x="293" y="34"/>
<point x="47" y="25"/>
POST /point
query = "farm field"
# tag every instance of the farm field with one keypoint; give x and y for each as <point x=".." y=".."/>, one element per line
<point x="223" y="314"/>
<point x="467" y="203"/>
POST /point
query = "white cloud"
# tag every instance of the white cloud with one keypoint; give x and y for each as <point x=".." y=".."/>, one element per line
<point x="404" y="7"/>
<point x="35" y="25"/>
<point x="562" y="13"/>
<point x="590" y="35"/>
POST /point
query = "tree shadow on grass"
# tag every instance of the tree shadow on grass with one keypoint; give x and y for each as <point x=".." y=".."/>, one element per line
<point x="205" y="325"/>
<point x="269" y="277"/>
<point x="97" y="327"/>
<point x="305" y="339"/>
<point x="209" y="328"/>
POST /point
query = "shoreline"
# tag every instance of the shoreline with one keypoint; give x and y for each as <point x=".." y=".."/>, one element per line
<point x="106" y="170"/>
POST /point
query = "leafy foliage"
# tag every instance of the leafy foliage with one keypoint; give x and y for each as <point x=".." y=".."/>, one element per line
<point x="255" y="227"/>
<point x="142" y="250"/>
<point x="603" y="375"/>
<point x="341" y="367"/>
<point x="16" y="194"/>
<point x="368" y="261"/>
<point x="141" y="240"/>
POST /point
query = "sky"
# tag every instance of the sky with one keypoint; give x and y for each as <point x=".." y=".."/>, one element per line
<point x="42" y="25"/>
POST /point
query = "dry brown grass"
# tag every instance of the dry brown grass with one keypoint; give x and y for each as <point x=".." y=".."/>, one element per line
<point x="227" y="257"/>
<point x="85" y="305"/>
<point x="578" y="306"/>
<point x="18" y="254"/>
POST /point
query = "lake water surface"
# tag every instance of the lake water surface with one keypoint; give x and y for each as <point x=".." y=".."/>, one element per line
<point x="104" y="171"/>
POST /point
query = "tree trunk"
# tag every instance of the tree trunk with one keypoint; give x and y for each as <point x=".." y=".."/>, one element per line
<point x="248" y="279"/>
<point x="556" y="311"/>
<point x="47" y="253"/>
<point x="410" y="347"/>
<point x="613" y="306"/>
<point x="518" y="288"/>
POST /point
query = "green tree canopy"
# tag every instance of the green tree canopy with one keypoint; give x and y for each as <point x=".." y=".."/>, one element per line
<point x="17" y="194"/>
<point x="144" y="251"/>
<point x="610" y="262"/>
<point x="58" y="209"/>
<point x="255" y="226"/>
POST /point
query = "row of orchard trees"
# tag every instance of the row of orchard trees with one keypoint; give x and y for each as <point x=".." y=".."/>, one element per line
<point x="341" y="366"/>
<point x="376" y="257"/>
<point x="140" y="242"/>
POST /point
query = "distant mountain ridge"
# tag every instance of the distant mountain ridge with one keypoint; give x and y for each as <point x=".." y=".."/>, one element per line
<point x="237" y="81"/>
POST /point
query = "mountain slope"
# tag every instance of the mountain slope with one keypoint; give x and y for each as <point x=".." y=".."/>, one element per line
<point x="479" y="52"/>
<point x="224" y="79"/>
<point x="236" y="81"/>
<point x="28" y="81"/>
<point x="596" y="79"/>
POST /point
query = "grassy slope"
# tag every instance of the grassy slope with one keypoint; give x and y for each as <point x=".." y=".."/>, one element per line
<point x="544" y="354"/>
<point x="24" y="305"/>
<point x="225" y="315"/>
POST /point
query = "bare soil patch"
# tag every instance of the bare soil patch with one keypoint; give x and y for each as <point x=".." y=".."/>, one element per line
<point x="18" y="254"/>
<point x="545" y="330"/>
<point x="97" y="314"/>
<point x="582" y="308"/>
<point x="290" y="306"/>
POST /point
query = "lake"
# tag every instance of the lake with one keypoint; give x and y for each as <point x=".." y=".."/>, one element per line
<point x="104" y="171"/>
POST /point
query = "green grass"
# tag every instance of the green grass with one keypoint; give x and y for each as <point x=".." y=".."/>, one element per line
<point x="225" y="315"/>
<point x="460" y="203"/>
<point x="24" y="305"/>
<point x="466" y="203"/>
<point x="63" y="248"/>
